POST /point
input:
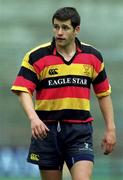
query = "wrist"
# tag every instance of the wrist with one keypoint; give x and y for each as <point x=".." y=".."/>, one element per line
<point x="111" y="128"/>
<point x="32" y="116"/>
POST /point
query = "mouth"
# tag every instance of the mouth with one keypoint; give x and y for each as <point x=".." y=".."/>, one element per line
<point x="60" y="39"/>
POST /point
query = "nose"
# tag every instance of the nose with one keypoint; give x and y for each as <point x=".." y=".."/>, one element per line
<point x="60" y="31"/>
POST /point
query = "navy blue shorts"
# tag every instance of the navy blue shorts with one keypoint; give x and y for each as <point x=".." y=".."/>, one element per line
<point x="65" y="142"/>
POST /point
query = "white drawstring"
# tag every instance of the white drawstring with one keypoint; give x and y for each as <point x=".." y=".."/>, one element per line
<point x="58" y="126"/>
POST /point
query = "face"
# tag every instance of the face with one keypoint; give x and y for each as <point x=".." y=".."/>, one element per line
<point x="64" y="32"/>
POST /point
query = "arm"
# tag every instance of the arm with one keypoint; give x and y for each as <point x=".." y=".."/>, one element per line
<point x="39" y="129"/>
<point x="109" y="139"/>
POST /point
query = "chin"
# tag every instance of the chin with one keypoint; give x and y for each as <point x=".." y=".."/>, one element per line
<point x="60" y="44"/>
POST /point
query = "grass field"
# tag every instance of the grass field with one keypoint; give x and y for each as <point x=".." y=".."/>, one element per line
<point x="65" y="178"/>
<point x="97" y="175"/>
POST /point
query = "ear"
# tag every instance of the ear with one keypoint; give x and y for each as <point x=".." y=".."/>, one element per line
<point x="77" y="30"/>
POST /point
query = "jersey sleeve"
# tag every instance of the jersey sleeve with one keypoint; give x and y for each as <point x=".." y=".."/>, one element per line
<point x="27" y="78"/>
<point x="100" y="81"/>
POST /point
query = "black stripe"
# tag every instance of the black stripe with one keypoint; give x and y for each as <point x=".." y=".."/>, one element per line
<point x="38" y="54"/>
<point x="64" y="115"/>
<point x="48" y="50"/>
<point x="28" y="74"/>
<point x="101" y="77"/>
<point x="91" y="50"/>
<point x="62" y="81"/>
<point x="88" y="49"/>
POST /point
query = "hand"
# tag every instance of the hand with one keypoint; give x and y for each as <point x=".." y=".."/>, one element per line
<point x="108" y="141"/>
<point x="39" y="129"/>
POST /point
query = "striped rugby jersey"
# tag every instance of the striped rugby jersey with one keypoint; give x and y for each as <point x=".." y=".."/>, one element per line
<point x="62" y="88"/>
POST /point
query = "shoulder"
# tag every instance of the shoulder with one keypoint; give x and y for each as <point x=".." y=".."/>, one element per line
<point x="90" y="49"/>
<point x="40" y="47"/>
<point x="39" y="52"/>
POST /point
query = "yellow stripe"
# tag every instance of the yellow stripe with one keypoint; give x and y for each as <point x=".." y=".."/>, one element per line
<point x="102" y="67"/>
<point x="40" y="46"/>
<point x="65" y="103"/>
<point x="19" y="88"/>
<point x="64" y="70"/>
<point x="106" y="93"/>
<point x="28" y="66"/>
<point x="95" y="74"/>
<point x="25" y="62"/>
<point x="82" y="43"/>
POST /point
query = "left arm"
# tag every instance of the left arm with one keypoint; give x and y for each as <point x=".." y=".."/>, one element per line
<point x="109" y="139"/>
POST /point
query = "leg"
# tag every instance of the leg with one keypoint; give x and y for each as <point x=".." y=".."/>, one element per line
<point x="46" y="154"/>
<point x="82" y="170"/>
<point x="51" y="174"/>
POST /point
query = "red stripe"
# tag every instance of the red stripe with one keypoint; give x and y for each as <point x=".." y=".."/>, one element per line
<point x="21" y="81"/>
<point x="90" y="59"/>
<point x="76" y="121"/>
<point x="101" y="87"/>
<point x="47" y="61"/>
<point x="63" y="92"/>
<point x="81" y="58"/>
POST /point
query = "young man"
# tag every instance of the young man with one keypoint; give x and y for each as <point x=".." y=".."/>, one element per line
<point x="61" y="73"/>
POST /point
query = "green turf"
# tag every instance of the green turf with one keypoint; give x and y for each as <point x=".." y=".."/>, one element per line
<point x="17" y="178"/>
<point x="65" y="178"/>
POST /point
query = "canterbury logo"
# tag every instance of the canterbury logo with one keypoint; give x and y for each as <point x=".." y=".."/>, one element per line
<point x="53" y="71"/>
<point x="34" y="157"/>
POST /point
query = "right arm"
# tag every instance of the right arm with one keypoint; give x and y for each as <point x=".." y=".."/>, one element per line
<point x="38" y="128"/>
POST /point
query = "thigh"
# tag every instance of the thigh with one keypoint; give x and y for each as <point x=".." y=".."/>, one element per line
<point x="79" y="145"/>
<point x="81" y="170"/>
<point x="46" y="152"/>
<point x="51" y="174"/>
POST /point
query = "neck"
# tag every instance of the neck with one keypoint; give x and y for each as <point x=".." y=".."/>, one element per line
<point x="68" y="51"/>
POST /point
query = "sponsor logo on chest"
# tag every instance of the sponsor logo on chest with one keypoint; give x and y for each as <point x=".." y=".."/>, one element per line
<point x="67" y="81"/>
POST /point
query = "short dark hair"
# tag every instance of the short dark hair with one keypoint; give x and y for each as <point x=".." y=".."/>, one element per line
<point x="67" y="13"/>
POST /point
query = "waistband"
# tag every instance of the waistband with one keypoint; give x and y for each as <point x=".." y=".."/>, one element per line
<point x="71" y="121"/>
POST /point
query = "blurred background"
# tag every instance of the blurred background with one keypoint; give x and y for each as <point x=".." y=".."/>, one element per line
<point x="27" y="23"/>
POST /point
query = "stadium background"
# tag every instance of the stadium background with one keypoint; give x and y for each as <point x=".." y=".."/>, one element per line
<point x="27" y="23"/>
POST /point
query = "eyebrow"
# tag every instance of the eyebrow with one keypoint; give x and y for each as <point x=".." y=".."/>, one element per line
<point x="68" y="25"/>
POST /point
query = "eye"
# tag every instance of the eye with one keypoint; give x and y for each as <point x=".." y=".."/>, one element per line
<point x="65" y="28"/>
<point x="56" y="26"/>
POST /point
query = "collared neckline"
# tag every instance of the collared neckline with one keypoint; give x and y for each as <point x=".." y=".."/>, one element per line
<point x="54" y="50"/>
<point x="56" y="53"/>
